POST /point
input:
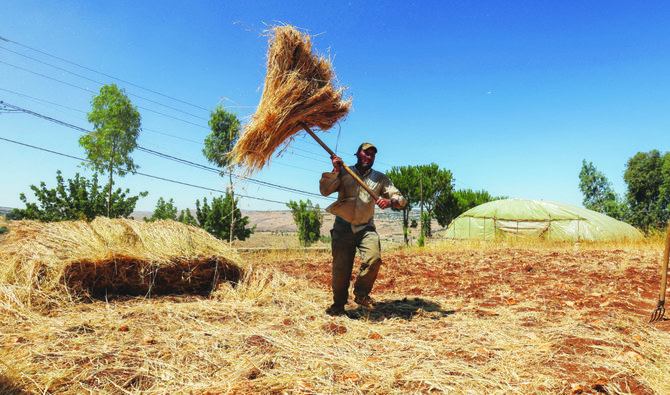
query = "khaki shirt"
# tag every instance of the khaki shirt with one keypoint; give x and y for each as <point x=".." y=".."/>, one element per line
<point x="354" y="204"/>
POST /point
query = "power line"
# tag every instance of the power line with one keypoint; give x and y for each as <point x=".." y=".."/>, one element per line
<point x="100" y="83"/>
<point x="115" y="78"/>
<point x="103" y="74"/>
<point x="170" y="157"/>
<point x="90" y="91"/>
<point x="139" y="173"/>
<point x="118" y="79"/>
<point x="141" y="107"/>
<point x="84" y="112"/>
<point x="41" y="100"/>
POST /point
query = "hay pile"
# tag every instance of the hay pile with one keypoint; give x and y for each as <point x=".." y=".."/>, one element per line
<point x="298" y="88"/>
<point x="114" y="257"/>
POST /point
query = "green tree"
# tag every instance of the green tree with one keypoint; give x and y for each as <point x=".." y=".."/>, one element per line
<point x="116" y="126"/>
<point x="187" y="218"/>
<point x="451" y="205"/>
<point x="216" y="219"/>
<point x="406" y="179"/>
<point x="225" y="132"/>
<point x="168" y="210"/>
<point x="598" y="193"/>
<point x="164" y="210"/>
<point x="79" y="198"/>
<point x="435" y="182"/>
<point x="421" y="184"/>
<point x="309" y="219"/>
<point x="648" y="184"/>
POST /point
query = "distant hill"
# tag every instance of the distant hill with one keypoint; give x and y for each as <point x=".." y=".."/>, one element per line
<point x="387" y="221"/>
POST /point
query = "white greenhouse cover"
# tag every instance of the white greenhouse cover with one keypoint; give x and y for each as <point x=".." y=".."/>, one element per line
<point x="538" y="218"/>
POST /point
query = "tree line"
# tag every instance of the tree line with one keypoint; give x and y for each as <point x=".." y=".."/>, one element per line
<point x="116" y="125"/>
<point x="427" y="187"/>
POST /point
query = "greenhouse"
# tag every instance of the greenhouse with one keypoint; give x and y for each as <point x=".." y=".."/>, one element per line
<point x="538" y="219"/>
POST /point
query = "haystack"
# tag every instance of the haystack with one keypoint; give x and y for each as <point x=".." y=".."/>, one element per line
<point x="299" y="89"/>
<point x="115" y="257"/>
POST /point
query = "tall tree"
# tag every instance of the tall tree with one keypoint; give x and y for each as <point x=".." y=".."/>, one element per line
<point x="406" y="179"/>
<point x="309" y="219"/>
<point x="75" y="199"/>
<point x="116" y="126"/>
<point x="598" y="193"/>
<point x="648" y="188"/>
<point x="225" y="132"/>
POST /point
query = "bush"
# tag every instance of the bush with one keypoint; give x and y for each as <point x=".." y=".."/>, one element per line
<point x="75" y="199"/>
<point x="216" y="219"/>
<point x="308" y="218"/>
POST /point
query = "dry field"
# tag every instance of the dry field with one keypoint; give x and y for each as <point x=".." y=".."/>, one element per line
<point x="470" y="318"/>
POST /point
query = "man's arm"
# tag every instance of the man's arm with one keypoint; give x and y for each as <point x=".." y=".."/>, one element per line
<point x="330" y="182"/>
<point x="392" y="196"/>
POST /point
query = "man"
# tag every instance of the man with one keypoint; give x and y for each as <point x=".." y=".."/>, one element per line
<point x="354" y="226"/>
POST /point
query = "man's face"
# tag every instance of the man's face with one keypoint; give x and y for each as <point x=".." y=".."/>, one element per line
<point x="366" y="158"/>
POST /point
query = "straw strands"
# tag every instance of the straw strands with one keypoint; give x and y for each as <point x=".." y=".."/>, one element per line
<point x="119" y="256"/>
<point x="270" y="335"/>
<point x="298" y="89"/>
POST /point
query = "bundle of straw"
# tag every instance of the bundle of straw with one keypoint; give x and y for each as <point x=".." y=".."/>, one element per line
<point x="114" y="256"/>
<point x="299" y="89"/>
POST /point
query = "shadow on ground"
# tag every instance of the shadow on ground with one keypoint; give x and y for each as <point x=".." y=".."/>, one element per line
<point x="405" y="308"/>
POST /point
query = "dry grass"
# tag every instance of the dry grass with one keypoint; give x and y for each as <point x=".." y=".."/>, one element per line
<point x="51" y="263"/>
<point x="575" y="322"/>
<point x="299" y="89"/>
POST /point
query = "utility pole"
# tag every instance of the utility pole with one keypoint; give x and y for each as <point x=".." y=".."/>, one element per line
<point x="421" y="189"/>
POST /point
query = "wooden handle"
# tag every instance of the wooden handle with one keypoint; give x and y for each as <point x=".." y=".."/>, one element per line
<point x="351" y="172"/>
<point x="664" y="268"/>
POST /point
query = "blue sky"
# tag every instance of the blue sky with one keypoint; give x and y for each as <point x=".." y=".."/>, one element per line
<point x="508" y="95"/>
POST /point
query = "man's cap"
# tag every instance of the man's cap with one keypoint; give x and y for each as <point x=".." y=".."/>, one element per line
<point x="365" y="146"/>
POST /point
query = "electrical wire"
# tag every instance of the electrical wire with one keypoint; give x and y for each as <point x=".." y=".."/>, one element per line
<point x="103" y="74"/>
<point x="144" y="129"/>
<point x="144" y="174"/>
<point x="129" y="83"/>
<point x="90" y="91"/>
<point x="172" y="158"/>
<point x="118" y="79"/>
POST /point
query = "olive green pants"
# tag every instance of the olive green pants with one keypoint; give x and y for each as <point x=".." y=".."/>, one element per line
<point x="344" y="245"/>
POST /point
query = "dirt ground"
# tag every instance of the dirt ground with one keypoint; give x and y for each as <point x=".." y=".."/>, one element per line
<point x="597" y="290"/>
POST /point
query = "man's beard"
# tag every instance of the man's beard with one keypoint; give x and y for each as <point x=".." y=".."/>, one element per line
<point x="363" y="168"/>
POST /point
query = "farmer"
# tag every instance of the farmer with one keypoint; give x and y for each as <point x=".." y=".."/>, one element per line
<point x="354" y="225"/>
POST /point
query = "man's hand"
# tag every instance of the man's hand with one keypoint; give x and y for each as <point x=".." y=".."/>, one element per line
<point x="337" y="163"/>
<point x="384" y="203"/>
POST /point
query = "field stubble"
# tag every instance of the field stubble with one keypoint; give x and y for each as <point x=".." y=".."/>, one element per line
<point x="451" y="318"/>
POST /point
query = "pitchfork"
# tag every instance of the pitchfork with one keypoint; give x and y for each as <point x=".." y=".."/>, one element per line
<point x="658" y="314"/>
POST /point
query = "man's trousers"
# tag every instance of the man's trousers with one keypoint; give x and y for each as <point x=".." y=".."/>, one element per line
<point x="344" y="245"/>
